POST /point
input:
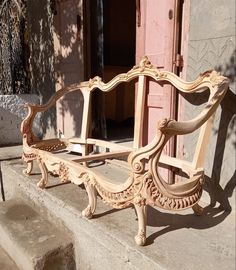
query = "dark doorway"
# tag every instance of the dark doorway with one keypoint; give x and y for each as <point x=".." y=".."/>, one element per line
<point x="119" y="57"/>
<point x="110" y="50"/>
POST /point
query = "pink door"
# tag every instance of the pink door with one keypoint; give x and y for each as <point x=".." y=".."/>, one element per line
<point x="157" y="38"/>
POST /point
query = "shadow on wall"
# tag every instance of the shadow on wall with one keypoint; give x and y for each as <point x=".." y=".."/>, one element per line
<point x="42" y="56"/>
<point x="44" y="30"/>
<point x="220" y="184"/>
<point x="71" y="104"/>
<point x="68" y="63"/>
<point x="226" y="132"/>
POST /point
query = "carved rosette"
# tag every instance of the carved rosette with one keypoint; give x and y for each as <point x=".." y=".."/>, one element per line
<point x="215" y="78"/>
<point x="143" y="64"/>
<point x="138" y="167"/>
<point x="162" y="75"/>
<point x="87" y="178"/>
<point x="139" y="200"/>
<point x="96" y="80"/>
<point x="63" y="172"/>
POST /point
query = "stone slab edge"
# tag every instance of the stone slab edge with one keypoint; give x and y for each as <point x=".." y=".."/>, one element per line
<point x="74" y="221"/>
<point x="15" y="251"/>
<point x="59" y="252"/>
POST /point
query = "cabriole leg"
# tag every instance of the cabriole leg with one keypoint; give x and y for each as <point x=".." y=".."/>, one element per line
<point x="140" y="238"/>
<point x="29" y="168"/>
<point x="44" y="180"/>
<point x="92" y="196"/>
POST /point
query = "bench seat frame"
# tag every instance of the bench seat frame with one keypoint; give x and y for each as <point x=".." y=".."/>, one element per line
<point x="144" y="185"/>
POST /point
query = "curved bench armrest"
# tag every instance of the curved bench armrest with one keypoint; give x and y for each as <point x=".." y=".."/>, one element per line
<point x="33" y="109"/>
<point x="185" y="127"/>
<point x="167" y="128"/>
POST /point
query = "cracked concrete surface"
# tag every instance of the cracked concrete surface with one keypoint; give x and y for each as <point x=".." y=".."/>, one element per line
<point x="175" y="240"/>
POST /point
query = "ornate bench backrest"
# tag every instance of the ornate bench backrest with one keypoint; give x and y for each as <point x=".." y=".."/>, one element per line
<point x="216" y="83"/>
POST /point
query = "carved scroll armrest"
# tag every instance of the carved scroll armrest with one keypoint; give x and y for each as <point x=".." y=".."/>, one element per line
<point x="26" y="125"/>
<point x="167" y="128"/>
<point x="218" y="91"/>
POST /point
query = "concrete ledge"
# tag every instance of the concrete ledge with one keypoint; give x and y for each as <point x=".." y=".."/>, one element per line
<point x="175" y="240"/>
<point x="10" y="152"/>
<point x="31" y="240"/>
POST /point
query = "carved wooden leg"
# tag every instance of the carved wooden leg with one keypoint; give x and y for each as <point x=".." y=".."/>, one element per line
<point x="92" y="196"/>
<point x="44" y="180"/>
<point x="29" y="168"/>
<point x="197" y="209"/>
<point x="140" y="238"/>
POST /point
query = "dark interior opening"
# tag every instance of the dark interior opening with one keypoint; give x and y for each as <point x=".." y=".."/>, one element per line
<point x="110" y="31"/>
<point x="119" y="26"/>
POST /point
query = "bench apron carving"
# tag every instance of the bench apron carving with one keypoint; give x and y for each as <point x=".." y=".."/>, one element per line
<point x="143" y="185"/>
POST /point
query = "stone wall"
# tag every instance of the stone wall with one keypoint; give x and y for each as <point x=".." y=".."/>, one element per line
<point x="212" y="46"/>
<point x="42" y="83"/>
<point x="40" y="19"/>
<point x="12" y="112"/>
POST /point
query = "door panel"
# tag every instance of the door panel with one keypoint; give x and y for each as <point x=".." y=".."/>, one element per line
<point x="156" y="39"/>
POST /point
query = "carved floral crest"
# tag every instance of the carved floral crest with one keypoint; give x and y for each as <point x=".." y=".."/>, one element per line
<point x="63" y="172"/>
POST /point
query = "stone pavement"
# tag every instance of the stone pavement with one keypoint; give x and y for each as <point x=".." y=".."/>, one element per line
<point x="175" y="241"/>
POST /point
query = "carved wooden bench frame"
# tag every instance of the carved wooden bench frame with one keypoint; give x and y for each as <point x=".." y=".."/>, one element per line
<point x="144" y="186"/>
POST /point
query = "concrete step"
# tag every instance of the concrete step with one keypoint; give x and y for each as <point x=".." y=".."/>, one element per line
<point x="174" y="240"/>
<point x="6" y="263"/>
<point x="31" y="240"/>
<point x="10" y="152"/>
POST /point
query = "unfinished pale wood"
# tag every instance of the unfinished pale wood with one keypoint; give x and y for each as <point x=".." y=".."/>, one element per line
<point x="103" y="156"/>
<point x="107" y="144"/>
<point x="203" y="139"/>
<point x="139" y="115"/>
<point x="144" y="185"/>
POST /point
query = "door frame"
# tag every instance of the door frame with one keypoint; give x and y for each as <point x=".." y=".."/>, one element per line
<point x="177" y="11"/>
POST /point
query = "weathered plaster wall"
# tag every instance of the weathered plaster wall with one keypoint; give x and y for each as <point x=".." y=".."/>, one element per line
<point x="40" y="26"/>
<point x="69" y="65"/>
<point x="12" y="112"/>
<point x="42" y="84"/>
<point x="212" y="46"/>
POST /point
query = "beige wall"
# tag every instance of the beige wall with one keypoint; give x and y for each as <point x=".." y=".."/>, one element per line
<point x="211" y="45"/>
<point x="56" y="60"/>
<point x="42" y="58"/>
<point x="69" y="67"/>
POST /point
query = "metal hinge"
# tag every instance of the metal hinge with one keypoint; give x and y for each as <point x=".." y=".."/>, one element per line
<point x="179" y="60"/>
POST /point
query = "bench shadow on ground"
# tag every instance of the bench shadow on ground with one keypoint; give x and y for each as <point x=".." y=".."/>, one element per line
<point x="176" y="221"/>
